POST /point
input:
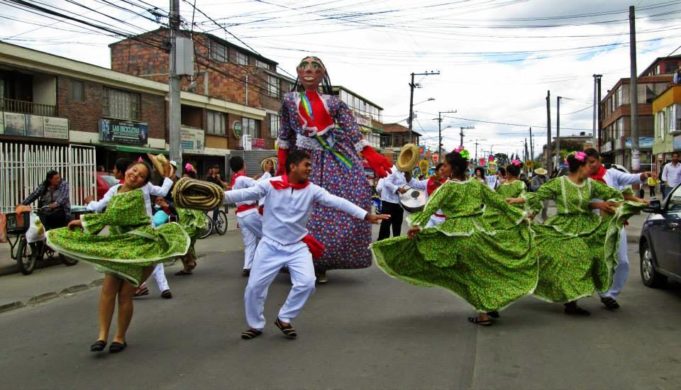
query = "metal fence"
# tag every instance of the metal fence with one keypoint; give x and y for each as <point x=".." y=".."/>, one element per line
<point x="23" y="167"/>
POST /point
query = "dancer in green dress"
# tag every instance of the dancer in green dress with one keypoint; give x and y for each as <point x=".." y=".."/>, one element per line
<point x="127" y="254"/>
<point x="488" y="267"/>
<point x="512" y="187"/>
<point x="576" y="249"/>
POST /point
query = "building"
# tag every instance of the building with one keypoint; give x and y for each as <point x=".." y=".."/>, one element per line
<point x="615" y="122"/>
<point x="667" y="114"/>
<point x="369" y="116"/>
<point x="395" y="136"/>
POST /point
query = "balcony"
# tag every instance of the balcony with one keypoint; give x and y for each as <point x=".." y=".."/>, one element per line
<point x="24" y="107"/>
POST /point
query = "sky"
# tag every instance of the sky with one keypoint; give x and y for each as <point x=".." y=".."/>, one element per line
<point x="496" y="58"/>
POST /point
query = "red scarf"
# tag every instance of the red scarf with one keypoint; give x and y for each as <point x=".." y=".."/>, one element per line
<point x="319" y="118"/>
<point x="600" y="175"/>
<point x="433" y="183"/>
<point x="234" y="177"/>
<point x="284" y="184"/>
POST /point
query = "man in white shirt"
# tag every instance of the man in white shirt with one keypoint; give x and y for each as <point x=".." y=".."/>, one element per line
<point x="286" y="241"/>
<point x="618" y="180"/>
<point x="671" y="174"/>
<point x="392" y="187"/>
<point x="247" y="215"/>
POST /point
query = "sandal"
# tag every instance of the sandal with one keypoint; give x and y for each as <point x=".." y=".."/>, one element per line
<point x="478" y="321"/>
<point x="98" y="346"/>
<point x="117" y="347"/>
<point x="286" y="329"/>
<point x="250" y="334"/>
<point x="610" y="303"/>
<point x="141" y="291"/>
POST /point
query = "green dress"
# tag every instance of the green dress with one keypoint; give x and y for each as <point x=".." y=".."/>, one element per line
<point x="132" y="243"/>
<point x="194" y="222"/>
<point x="466" y="254"/>
<point x="493" y="215"/>
<point x="576" y="249"/>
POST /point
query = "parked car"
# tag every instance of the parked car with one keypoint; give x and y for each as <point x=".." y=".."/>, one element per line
<point x="104" y="182"/>
<point x="660" y="242"/>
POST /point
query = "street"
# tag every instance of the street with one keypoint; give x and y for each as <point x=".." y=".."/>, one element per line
<point x="363" y="330"/>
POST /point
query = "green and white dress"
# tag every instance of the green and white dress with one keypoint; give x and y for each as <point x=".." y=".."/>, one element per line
<point x="466" y="254"/>
<point x="576" y="249"/>
<point x="132" y="243"/>
<point x="514" y="189"/>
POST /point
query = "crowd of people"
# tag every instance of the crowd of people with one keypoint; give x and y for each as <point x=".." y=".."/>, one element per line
<point x="308" y="212"/>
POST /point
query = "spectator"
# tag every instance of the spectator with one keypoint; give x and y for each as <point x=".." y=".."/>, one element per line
<point x="54" y="205"/>
<point x="537" y="181"/>
<point x="671" y="174"/>
<point x="214" y="177"/>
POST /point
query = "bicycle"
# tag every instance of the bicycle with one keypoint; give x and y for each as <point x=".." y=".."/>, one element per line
<point x="27" y="254"/>
<point x="218" y="226"/>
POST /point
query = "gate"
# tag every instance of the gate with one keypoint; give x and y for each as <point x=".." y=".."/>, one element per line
<point x="23" y="167"/>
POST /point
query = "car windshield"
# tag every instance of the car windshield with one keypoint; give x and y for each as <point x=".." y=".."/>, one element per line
<point x="674" y="204"/>
<point x="110" y="180"/>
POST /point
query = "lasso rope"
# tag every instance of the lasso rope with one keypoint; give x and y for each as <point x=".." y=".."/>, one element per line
<point x="197" y="194"/>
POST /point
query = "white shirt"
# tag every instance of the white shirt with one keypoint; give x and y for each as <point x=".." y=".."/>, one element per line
<point x="148" y="190"/>
<point x="288" y="210"/>
<point x="242" y="182"/>
<point x="395" y="181"/>
<point x="491" y="181"/>
<point x="671" y="174"/>
<point x="619" y="180"/>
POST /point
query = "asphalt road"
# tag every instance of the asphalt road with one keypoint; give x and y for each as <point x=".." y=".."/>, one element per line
<point x="363" y="330"/>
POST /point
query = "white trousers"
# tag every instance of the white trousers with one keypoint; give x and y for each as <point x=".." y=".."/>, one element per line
<point x="251" y="232"/>
<point x="159" y="275"/>
<point x="621" y="270"/>
<point x="270" y="257"/>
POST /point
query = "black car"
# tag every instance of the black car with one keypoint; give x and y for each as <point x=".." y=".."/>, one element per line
<point x="660" y="243"/>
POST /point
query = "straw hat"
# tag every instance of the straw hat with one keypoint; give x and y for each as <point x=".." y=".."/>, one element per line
<point x="540" y="171"/>
<point x="160" y="163"/>
<point x="409" y="155"/>
<point x="272" y="159"/>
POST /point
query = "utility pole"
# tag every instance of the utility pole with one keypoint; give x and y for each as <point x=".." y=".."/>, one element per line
<point x="558" y="129"/>
<point x="461" y="133"/>
<point x="531" y="146"/>
<point x="174" y="105"/>
<point x="413" y="85"/>
<point x="597" y="104"/>
<point x="527" y="156"/>
<point x="600" y="114"/>
<point x="633" y="95"/>
<point x="476" y="151"/>
<point x="439" y="129"/>
<point x="547" y="154"/>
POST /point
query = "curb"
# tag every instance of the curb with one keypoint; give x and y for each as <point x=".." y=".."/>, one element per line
<point x="45" y="297"/>
<point x="11" y="306"/>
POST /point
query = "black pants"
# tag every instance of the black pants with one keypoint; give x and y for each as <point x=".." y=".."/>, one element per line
<point x="396" y="214"/>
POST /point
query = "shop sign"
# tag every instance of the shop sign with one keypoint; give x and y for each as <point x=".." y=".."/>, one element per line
<point x="237" y="129"/>
<point x="362" y="120"/>
<point x="643" y="142"/>
<point x="258" y="143"/>
<point x="12" y="123"/>
<point x="192" y="140"/>
<point x="123" y="132"/>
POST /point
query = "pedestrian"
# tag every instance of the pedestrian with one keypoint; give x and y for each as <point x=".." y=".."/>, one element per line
<point x="488" y="267"/>
<point x="620" y="181"/>
<point x="286" y="241"/>
<point x="479" y="173"/>
<point x="652" y="183"/>
<point x="213" y="176"/>
<point x="54" y="204"/>
<point x="671" y="174"/>
<point x="127" y="254"/>
<point x="247" y="215"/>
<point x="540" y="177"/>
<point x="324" y="126"/>
<point x="575" y="248"/>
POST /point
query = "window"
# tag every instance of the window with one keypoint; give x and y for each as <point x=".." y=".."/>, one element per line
<point x="241" y="58"/>
<point x="274" y="125"/>
<point x="77" y="91"/>
<point x="273" y="86"/>
<point x="261" y="64"/>
<point x="215" y="123"/>
<point x="250" y="127"/>
<point x="218" y="52"/>
<point x="121" y="104"/>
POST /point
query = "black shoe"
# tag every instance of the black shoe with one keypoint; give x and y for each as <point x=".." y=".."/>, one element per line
<point x="166" y="294"/>
<point x="321" y="277"/>
<point x="117" y="347"/>
<point x="494" y="314"/>
<point x="571" y="308"/>
<point x="246" y="272"/>
<point x="610" y="303"/>
<point x="98" y="346"/>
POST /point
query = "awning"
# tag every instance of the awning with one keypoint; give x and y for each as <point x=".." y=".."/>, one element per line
<point x="133" y="149"/>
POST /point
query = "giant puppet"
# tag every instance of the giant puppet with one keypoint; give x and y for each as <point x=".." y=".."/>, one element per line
<point x="322" y="125"/>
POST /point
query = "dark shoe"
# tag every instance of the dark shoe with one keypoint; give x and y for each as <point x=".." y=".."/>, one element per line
<point x="494" y="314"/>
<point x="571" y="308"/>
<point x="250" y="334"/>
<point x="142" y="291"/>
<point x="321" y="277"/>
<point x="166" y="294"/>
<point x="610" y="303"/>
<point x="478" y="321"/>
<point x="98" y="346"/>
<point x="286" y="329"/>
<point x="182" y="273"/>
<point x="117" y="347"/>
<point x="246" y="272"/>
